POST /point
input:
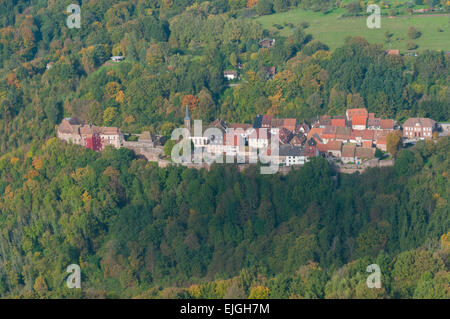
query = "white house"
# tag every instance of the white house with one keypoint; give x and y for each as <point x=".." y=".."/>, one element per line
<point x="117" y="58"/>
<point x="292" y="155"/>
<point x="230" y="75"/>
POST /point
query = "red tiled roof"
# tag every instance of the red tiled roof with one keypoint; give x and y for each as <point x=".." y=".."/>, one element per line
<point x="89" y="129"/>
<point x="110" y="130"/>
<point x="356" y="112"/>
<point x="387" y="124"/>
<point x="285" y="135"/>
<point x="393" y="52"/>
<point x="322" y="148"/>
<point x="359" y="120"/>
<point x="367" y="144"/>
<point x="368" y="135"/>
<point x="315" y="130"/>
<point x="290" y="124"/>
<point x="348" y="150"/>
<point x="356" y="133"/>
<point x="338" y="122"/>
<point x="297" y="140"/>
<point x="334" y="145"/>
<point x="373" y="121"/>
<point x="343" y="133"/>
<point x="329" y="132"/>
<point x="381" y="140"/>
<point x="267" y="120"/>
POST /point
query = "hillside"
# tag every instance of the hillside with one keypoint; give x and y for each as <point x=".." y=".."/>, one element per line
<point x="332" y="28"/>
<point x="137" y="230"/>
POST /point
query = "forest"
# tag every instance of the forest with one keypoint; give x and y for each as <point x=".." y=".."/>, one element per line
<point x="175" y="55"/>
<point x="139" y="231"/>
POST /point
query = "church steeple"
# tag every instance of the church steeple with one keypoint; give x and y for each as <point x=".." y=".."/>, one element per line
<point x="187" y="120"/>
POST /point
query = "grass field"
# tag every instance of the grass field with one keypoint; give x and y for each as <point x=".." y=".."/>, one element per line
<point x="332" y="30"/>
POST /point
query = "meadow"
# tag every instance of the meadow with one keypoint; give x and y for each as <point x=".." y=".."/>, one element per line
<point x="332" y="29"/>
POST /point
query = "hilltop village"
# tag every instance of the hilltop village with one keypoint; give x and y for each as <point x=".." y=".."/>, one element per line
<point x="348" y="139"/>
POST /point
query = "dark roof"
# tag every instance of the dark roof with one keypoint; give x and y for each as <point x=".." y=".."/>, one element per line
<point x="74" y="120"/>
<point x="257" y="123"/>
<point x="363" y="152"/>
<point x="289" y="150"/>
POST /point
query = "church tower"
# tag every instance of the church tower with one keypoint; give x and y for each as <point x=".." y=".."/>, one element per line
<point x="187" y="120"/>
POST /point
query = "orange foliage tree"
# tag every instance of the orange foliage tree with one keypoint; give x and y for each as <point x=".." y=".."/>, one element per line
<point x="190" y="100"/>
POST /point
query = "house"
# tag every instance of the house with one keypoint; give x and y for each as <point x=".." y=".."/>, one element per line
<point x="259" y="138"/>
<point x="117" y="58"/>
<point x="68" y="130"/>
<point x="359" y="122"/>
<point x="73" y="130"/>
<point x="367" y="136"/>
<point x="284" y="136"/>
<point x="215" y="143"/>
<point x="276" y="125"/>
<point x="292" y="155"/>
<point x="338" y="121"/>
<point x="343" y="134"/>
<point x="257" y="122"/>
<point x="419" y="128"/>
<point x="302" y="128"/>
<point x="387" y="124"/>
<point x="232" y="143"/>
<point x="219" y="124"/>
<point x="363" y="154"/>
<point x="373" y="123"/>
<point x="111" y="136"/>
<point x="290" y="124"/>
<point x="380" y="142"/>
<point x="243" y="129"/>
<point x="367" y="144"/>
<point x="267" y="121"/>
<point x="324" y="120"/>
<point x="348" y="153"/>
<point x="328" y="133"/>
<point x="230" y="75"/>
<point x="444" y="129"/>
<point x="315" y="131"/>
<point x="334" y="148"/>
<point x="392" y="52"/>
<point x="266" y="43"/>
<point x="350" y="113"/>
<point x="90" y="137"/>
<point x="311" y="149"/>
<point x="298" y="140"/>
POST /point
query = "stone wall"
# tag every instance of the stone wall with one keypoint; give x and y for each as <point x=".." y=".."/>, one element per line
<point x="145" y="149"/>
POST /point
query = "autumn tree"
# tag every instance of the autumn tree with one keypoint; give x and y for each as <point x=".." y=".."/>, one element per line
<point x="394" y="142"/>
